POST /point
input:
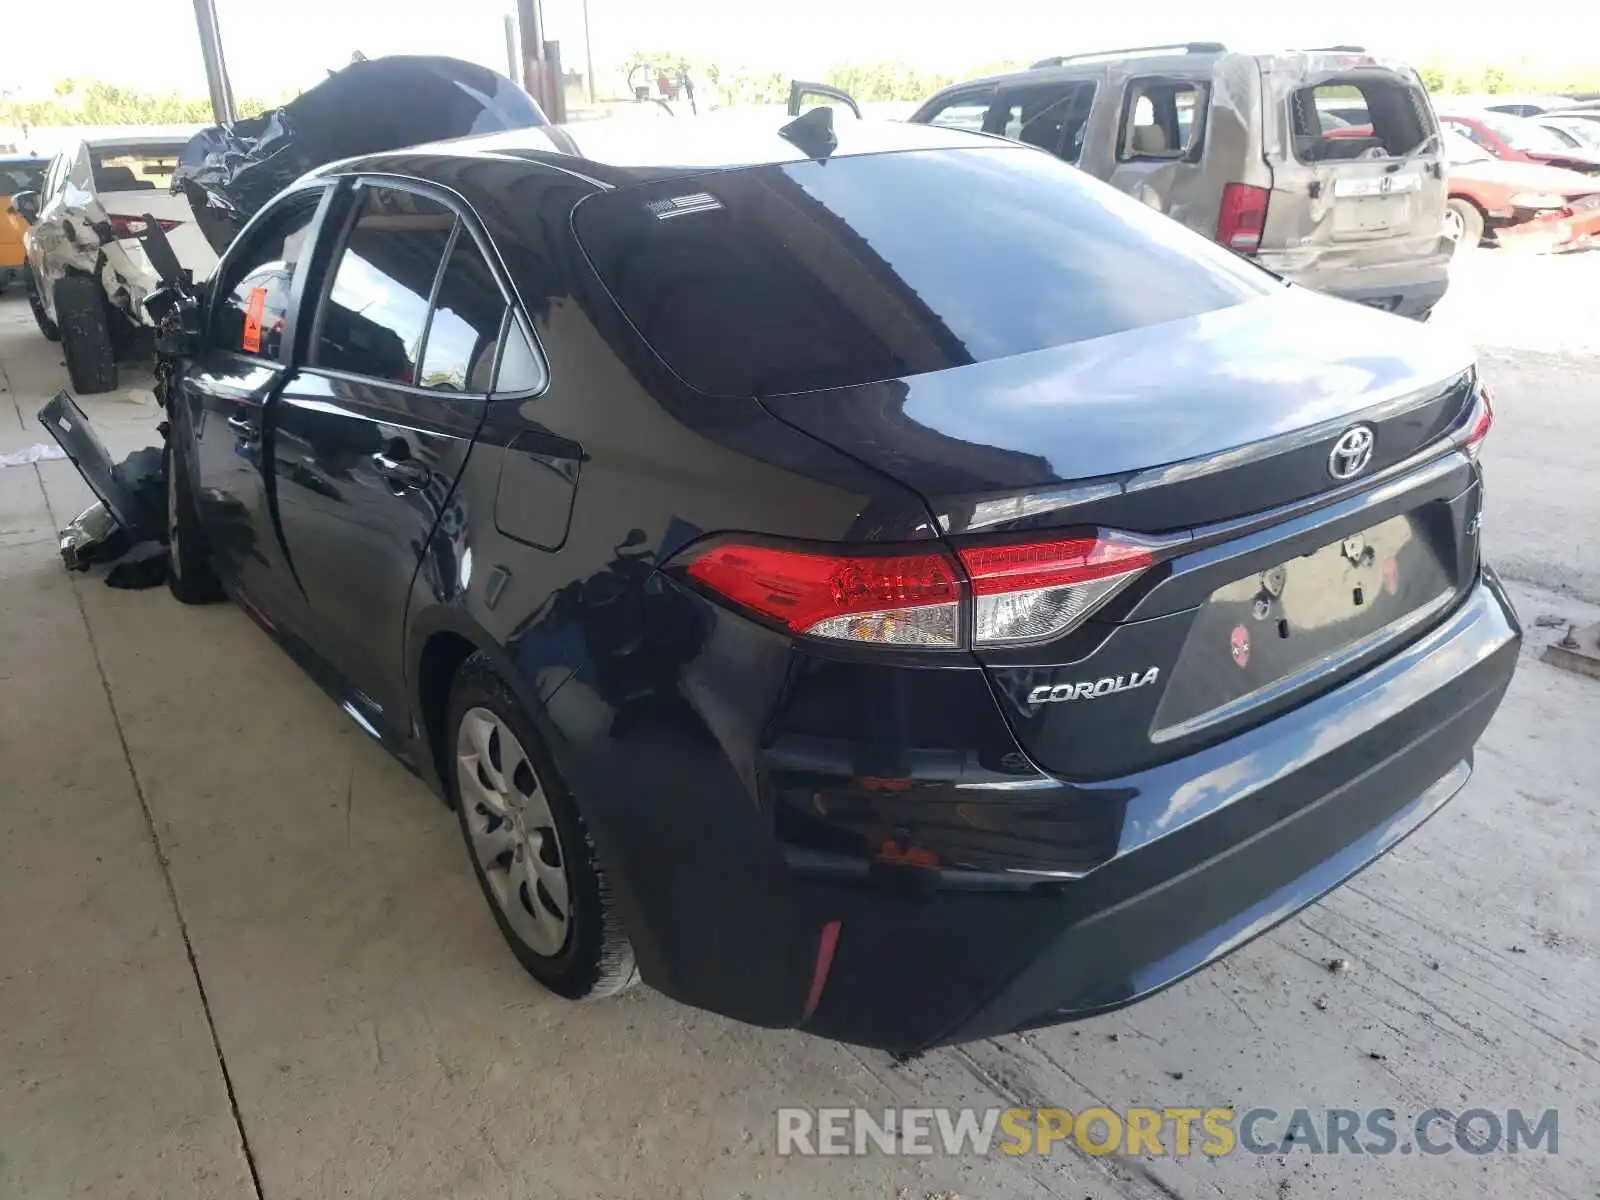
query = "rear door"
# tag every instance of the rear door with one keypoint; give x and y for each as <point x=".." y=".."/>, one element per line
<point x="1160" y="149"/>
<point x="224" y="392"/>
<point x="1369" y="192"/>
<point x="131" y="182"/>
<point x="370" y="435"/>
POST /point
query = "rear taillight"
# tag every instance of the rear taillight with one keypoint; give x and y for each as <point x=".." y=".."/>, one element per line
<point x="123" y="226"/>
<point x="898" y="600"/>
<point x="1478" y="422"/>
<point x="1040" y="590"/>
<point x="1242" y="217"/>
<point x="1013" y="594"/>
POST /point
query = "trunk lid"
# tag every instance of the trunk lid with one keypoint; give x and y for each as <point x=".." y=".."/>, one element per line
<point x="1213" y="436"/>
<point x="1162" y="427"/>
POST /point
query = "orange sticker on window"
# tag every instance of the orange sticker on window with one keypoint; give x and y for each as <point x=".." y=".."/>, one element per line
<point x="252" y="320"/>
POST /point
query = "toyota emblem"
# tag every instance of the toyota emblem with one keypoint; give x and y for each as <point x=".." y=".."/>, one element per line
<point x="1352" y="452"/>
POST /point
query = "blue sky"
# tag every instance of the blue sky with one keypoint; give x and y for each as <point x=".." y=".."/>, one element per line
<point x="289" y="44"/>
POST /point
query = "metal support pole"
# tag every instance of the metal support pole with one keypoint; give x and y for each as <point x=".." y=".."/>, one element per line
<point x="588" y="52"/>
<point x="530" y="23"/>
<point x="513" y="55"/>
<point x="205" y="18"/>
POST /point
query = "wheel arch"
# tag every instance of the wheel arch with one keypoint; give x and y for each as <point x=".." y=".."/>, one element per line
<point x="441" y="638"/>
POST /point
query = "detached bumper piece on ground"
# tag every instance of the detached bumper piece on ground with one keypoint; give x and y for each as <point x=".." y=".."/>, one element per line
<point x="125" y="528"/>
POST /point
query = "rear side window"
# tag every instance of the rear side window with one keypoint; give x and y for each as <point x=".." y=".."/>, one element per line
<point x="376" y="313"/>
<point x="1050" y="116"/>
<point x="133" y="168"/>
<point x="466" y="323"/>
<point x="1376" y="116"/>
<point x="776" y="279"/>
<point x="1163" y="119"/>
<point x="249" y="313"/>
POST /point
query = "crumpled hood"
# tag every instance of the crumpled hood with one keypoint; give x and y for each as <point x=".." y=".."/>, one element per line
<point x="229" y="172"/>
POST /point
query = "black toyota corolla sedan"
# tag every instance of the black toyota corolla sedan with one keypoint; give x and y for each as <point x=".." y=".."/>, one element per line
<point x="875" y="580"/>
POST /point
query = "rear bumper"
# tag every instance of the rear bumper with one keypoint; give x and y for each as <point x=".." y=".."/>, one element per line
<point x="1214" y="850"/>
<point x="1408" y="288"/>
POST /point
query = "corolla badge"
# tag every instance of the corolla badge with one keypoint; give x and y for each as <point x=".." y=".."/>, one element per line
<point x="1091" y="689"/>
<point x="1352" y="452"/>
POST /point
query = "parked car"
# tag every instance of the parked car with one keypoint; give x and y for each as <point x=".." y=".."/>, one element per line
<point x="1238" y="147"/>
<point x="867" y="577"/>
<point x="1580" y="130"/>
<point x="90" y="272"/>
<point x="1508" y="105"/>
<point x="18" y="173"/>
<point x="1516" y="139"/>
<point x="1525" y="204"/>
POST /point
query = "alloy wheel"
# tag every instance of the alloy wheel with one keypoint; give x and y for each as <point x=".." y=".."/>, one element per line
<point x="512" y="832"/>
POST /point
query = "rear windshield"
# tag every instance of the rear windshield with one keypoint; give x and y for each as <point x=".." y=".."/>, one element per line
<point x="20" y="177"/>
<point x="1359" y="116"/>
<point x="776" y="279"/>
<point x="133" y="168"/>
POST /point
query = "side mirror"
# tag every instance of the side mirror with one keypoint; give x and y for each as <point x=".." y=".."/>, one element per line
<point x="27" y="204"/>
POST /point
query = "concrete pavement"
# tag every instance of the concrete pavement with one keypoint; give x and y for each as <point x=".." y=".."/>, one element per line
<point x="242" y="953"/>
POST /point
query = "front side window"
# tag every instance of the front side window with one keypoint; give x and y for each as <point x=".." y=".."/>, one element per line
<point x="249" y="314"/>
<point x="459" y="356"/>
<point x="376" y="313"/>
<point x="1162" y="119"/>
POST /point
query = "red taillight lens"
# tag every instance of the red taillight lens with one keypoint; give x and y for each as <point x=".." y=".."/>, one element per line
<point x="123" y="226"/>
<point x="903" y="600"/>
<point x="1242" y="217"/>
<point x="1026" y="593"/>
<point x="1481" y="418"/>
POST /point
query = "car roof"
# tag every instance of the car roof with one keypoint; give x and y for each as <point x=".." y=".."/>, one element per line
<point x="625" y="150"/>
<point x="1200" y="56"/>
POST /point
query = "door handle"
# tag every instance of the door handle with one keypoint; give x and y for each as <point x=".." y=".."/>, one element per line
<point x="244" y="427"/>
<point x="405" y="474"/>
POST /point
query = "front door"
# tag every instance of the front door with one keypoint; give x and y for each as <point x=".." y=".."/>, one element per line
<point x="369" y="437"/>
<point x="223" y="394"/>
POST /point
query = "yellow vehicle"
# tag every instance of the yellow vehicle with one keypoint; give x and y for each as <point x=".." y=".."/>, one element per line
<point x="18" y="173"/>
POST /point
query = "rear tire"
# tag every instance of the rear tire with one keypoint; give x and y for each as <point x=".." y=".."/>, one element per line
<point x="1463" y="222"/>
<point x="190" y="578"/>
<point x="46" y="325"/>
<point x="528" y="843"/>
<point x="86" y="334"/>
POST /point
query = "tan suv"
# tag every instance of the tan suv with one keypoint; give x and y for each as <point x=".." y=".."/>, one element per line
<point x="1323" y="165"/>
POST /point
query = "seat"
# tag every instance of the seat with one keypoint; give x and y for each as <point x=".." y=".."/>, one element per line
<point x="1150" y="139"/>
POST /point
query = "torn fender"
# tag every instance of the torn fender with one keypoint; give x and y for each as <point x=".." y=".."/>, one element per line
<point x="228" y="172"/>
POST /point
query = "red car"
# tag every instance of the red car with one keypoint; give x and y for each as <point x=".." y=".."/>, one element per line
<point x="1516" y="139"/>
<point x="1526" y="204"/>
